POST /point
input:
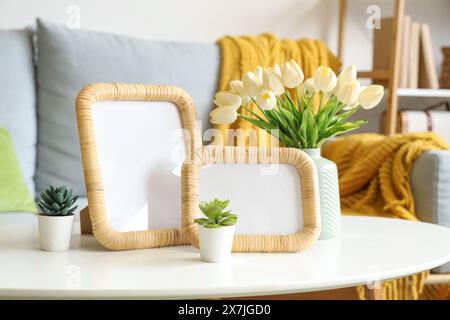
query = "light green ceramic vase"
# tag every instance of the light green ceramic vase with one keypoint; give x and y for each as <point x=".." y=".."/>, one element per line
<point x="330" y="210"/>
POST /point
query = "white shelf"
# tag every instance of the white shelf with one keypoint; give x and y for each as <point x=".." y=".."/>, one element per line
<point x="435" y="93"/>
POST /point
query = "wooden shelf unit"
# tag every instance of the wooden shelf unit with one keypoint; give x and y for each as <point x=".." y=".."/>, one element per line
<point x="391" y="74"/>
<point x="393" y="91"/>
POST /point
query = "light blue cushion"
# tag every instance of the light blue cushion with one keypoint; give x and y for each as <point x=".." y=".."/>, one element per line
<point x="18" y="98"/>
<point x="68" y="60"/>
<point x="430" y="183"/>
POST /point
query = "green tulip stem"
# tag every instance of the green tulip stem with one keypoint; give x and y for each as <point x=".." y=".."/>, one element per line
<point x="320" y="101"/>
<point x="253" y="112"/>
<point x="262" y="111"/>
<point x="311" y="99"/>
<point x="297" y="96"/>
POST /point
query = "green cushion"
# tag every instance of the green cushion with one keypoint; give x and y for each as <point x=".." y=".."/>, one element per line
<point x="14" y="193"/>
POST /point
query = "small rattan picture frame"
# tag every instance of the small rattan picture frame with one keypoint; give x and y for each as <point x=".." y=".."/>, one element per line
<point x="86" y="100"/>
<point x="209" y="155"/>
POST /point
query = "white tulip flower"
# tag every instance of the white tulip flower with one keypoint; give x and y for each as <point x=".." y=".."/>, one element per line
<point x="223" y="115"/>
<point x="238" y="87"/>
<point x="225" y="99"/>
<point x="353" y="106"/>
<point x="348" y="92"/>
<point x="266" y="100"/>
<point x="277" y="69"/>
<point x="259" y="73"/>
<point x="348" y="74"/>
<point x="371" y="96"/>
<point x="272" y="81"/>
<point x="356" y="103"/>
<point x="324" y="79"/>
<point x="308" y="86"/>
<point x="291" y="74"/>
<point x="252" y="84"/>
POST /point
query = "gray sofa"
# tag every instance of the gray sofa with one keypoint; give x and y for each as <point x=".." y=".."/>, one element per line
<point x="42" y="70"/>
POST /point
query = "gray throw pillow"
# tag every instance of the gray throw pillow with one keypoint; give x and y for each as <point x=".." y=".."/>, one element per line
<point x="68" y="60"/>
<point x="18" y="97"/>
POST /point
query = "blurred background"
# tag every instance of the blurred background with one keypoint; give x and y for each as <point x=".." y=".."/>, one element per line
<point x="208" y="20"/>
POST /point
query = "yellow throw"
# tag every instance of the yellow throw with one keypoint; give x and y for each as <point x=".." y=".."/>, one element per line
<point x="374" y="180"/>
<point x="374" y="171"/>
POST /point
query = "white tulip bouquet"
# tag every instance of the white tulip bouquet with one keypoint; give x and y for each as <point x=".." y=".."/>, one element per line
<point x="287" y="103"/>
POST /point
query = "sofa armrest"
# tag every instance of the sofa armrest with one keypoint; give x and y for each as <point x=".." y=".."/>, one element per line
<point x="430" y="183"/>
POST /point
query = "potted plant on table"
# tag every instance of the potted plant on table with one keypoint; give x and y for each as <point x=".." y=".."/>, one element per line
<point x="301" y="114"/>
<point x="216" y="230"/>
<point x="56" y="218"/>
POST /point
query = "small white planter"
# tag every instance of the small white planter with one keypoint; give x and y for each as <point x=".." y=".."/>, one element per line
<point x="55" y="232"/>
<point x="216" y="243"/>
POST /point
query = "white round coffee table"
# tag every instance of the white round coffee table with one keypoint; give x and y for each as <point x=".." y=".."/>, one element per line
<point x="368" y="249"/>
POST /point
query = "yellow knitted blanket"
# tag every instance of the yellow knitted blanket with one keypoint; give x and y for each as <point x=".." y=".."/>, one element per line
<point x="374" y="180"/>
<point x="374" y="171"/>
<point x="243" y="54"/>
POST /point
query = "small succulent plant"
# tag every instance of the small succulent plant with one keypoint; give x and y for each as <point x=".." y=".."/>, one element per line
<point x="215" y="215"/>
<point x="57" y="202"/>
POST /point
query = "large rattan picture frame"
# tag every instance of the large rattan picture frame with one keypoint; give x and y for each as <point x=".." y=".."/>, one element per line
<point x="85" y="102"/>
<point x="209" y="155"/>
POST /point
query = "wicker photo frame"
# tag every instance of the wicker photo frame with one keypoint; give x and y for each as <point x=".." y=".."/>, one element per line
<point x="295" y="242"/>
<point x="86" y="100"/>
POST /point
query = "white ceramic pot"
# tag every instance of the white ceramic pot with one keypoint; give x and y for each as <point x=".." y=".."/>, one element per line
<point x="216" y="243"/>
<point x="55" y="232"/>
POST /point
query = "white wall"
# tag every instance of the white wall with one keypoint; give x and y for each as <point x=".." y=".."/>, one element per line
<point x="436" y="13"/>
<point x="207" y="20"/>
<point x="189" y="20"/>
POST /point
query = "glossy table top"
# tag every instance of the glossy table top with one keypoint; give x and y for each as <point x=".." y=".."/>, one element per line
<point x="369" y="249"/>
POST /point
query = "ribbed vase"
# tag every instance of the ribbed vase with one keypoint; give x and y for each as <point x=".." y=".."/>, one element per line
<point x="330" y="209"/>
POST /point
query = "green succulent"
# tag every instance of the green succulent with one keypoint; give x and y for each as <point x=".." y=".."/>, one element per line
<point x="57" y="202"/>
<point x="216" y="217"/>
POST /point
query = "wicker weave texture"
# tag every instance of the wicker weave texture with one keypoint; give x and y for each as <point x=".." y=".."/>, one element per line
<point x="85" y="103"/>
<point x="295" y="242"/>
